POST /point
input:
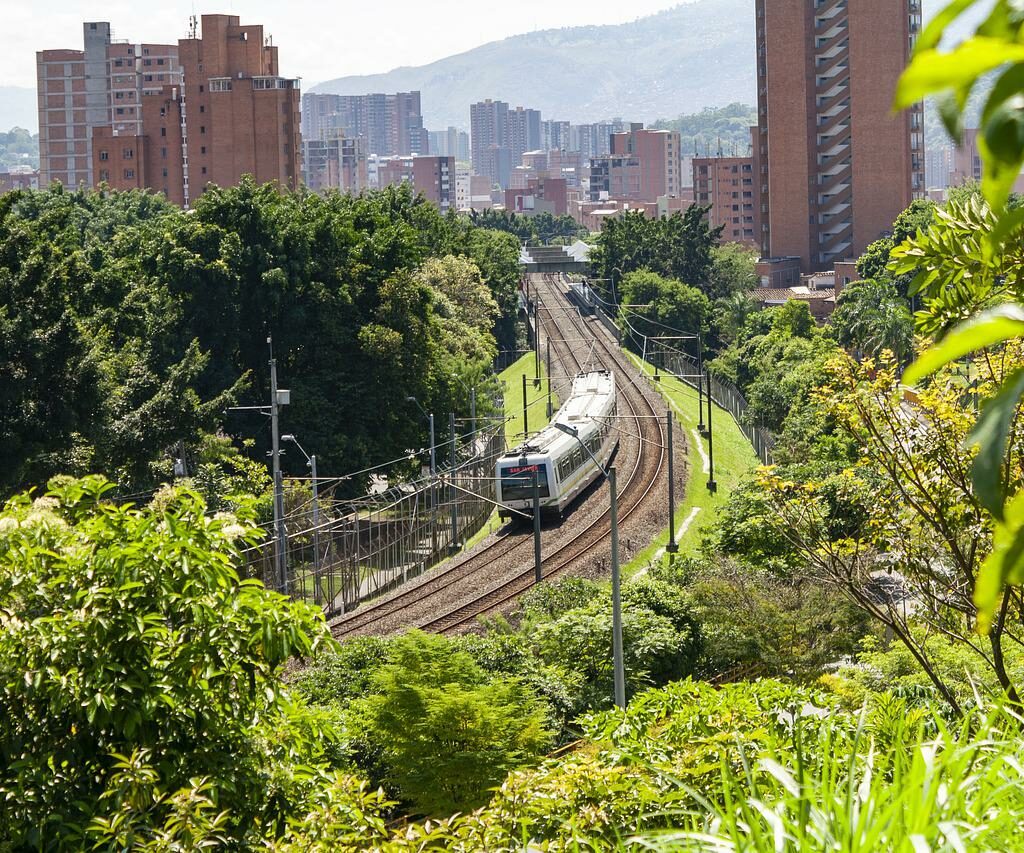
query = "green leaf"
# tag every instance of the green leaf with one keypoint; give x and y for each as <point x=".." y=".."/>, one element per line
<point x="933" y="71"/>
<point x="1005" y="565"/>
<point x="992" y="432"/>
<point x="932" y="34"/>
<point x="999" y="324"/>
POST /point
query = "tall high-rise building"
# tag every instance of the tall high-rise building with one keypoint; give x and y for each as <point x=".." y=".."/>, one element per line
<point x="241" y="117"/>
<point x="102" y="85"/>
<point x="488" y="129"/>
<point x="835" y="165"/>
<point x="450" y="143"/>
<point x="389" y="125"/>
<point x="524" y="134"/>
<point x="170" y="118"/>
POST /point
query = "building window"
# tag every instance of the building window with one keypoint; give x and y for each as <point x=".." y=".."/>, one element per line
<point x="202" y="129"/>
<point x="104" y="155"/>
<point x="202" y="108"/>
<point x="204" y="170"/>
<point x="104" y="175"/>
<point x="120" y="111"/>
<point x="160" y="62"/>
<point x="163" y="131"/>
<point x="202" y="149"/>
<point x="149" y="78"/>
<point x="128" y="153"/>
<point x="129" y="173"/>
<point x="163" y="153"/>
<point x="201" y="89"/>
<point x="165" y="171"/>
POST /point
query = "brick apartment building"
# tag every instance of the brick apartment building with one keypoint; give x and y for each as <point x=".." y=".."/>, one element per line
<point x="169" y="118"/>
<point x="727" y="185"/>
<point x="389" y="124"/>
<point x="540" y="195"/>
<point x="643" y="165"/>
<point x="103" y="85"/>
<point x="835" y="165"/>
<point x="432" y="176"/>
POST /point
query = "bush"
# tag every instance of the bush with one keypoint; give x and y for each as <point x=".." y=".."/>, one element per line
<point x="133" y="663"/>
<point x="448" y="733"/>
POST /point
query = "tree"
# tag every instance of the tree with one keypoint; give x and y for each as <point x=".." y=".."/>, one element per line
<point x="448" y="732"/>
<point x="666" y="308"/>
<point x="677" y="246"/>
<point x="732" y="271"/>
<point x="871" y="317"/>
<point x="128" y="642"/>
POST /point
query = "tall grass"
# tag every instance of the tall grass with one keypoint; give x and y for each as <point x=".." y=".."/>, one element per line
<point x="910" y="783"/>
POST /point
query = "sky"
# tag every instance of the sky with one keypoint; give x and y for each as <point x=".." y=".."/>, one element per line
<point x="318" y="39"/>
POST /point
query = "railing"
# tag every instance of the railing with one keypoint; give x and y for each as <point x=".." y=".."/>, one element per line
<point x="685" y="368"/>
<point x="365" y="547"/>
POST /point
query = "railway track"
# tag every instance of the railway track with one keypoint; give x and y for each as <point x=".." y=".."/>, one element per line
<point x="451" y="598"/>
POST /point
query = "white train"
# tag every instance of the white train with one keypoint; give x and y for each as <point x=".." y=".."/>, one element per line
<point x="563" y="467"/>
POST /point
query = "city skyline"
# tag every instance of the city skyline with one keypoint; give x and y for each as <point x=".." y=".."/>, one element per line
<point x="416" y="35"/>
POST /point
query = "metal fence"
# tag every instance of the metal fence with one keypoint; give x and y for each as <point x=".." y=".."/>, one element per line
<point x="671" y="360"/>
<point x="365" y="547"/>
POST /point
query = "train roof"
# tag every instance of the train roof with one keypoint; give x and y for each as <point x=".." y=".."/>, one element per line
<point x="589" y="397"/>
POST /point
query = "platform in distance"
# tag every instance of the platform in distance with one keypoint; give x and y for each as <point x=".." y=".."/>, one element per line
<point x="563" y="468"/>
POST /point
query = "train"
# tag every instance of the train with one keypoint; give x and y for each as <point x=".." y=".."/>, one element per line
<point x="562" y="466"/>
<point x="581" y="294"/>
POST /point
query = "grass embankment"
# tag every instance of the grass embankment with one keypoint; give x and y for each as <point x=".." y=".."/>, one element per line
<point x="734" y="458"/>
<point x="536" y="416"/>
<point x="536" y="397"/>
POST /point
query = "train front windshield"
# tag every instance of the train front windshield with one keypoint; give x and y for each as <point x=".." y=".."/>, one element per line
<point x="517" y="482"/>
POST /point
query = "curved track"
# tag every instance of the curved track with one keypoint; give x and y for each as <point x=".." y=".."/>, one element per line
<point x="451" y="597"/>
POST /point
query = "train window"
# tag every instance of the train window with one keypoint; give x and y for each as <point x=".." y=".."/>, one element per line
<point x="517" y="482"/>
<point x="564" y="468"/>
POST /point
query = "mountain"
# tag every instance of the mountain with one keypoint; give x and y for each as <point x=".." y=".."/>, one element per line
<point x="18" y="108"/>
<point x="679" y="61"/>
<point x="696" y="55"/>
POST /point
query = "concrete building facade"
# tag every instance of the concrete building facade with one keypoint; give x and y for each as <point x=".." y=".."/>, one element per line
<point x="389" y="124"/>
<point x="836" y="166"/>
<point x="488" y="131"/>
<point x="335" y="163"/>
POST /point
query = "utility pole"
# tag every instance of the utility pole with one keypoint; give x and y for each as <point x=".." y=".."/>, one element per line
<point x="536" y="344"/>
<point x="472" y="411"/>
<point x="549" y="377"/>
<point x="526" y="416"/>
<point x="316" y="517"/>
<point x="617" y="653"/>
<point x="280" y="534"/>
<point x="712" y="485"/>
<point x="672" y="548"/>
<point x="618" y="663"/>
<point x="451" y="486"/>
<point x="700" y="387"/>
<point x="537" y="576"/>
<point x="433" y="446"/>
